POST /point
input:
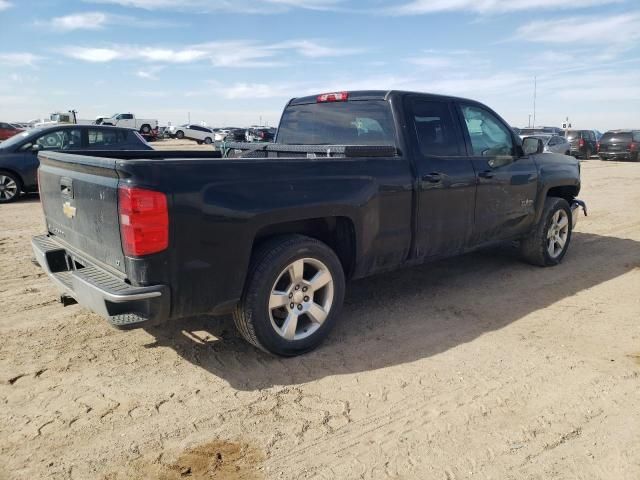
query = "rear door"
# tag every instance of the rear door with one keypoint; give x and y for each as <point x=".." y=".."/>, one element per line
<point x="507" y="183"/>
<point x="446" y="181"/>
<point x="79" y="196"/>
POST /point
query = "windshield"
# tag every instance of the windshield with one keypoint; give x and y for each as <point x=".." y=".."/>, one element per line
<point x="18" y="138"/>
<point x="338" y="123"/>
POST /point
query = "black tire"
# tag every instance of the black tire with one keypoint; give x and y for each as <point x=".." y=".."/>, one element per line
<point x="587" y="154"/>
<point x="208" y="141"/>
<point x="179" y="134"/>
<point x="535" y="248"/>
<point x="253" y="317"/>
<point x="568" y="153"/>
<point x="10" y="187"/>
<point x="145" y="129"/>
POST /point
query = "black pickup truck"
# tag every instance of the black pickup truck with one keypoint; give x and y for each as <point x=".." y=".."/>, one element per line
<point x="356" y="183"/>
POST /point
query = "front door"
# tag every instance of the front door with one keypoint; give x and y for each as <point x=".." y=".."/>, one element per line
<point x="507" y="181"/>
<point x="446" y="181"/>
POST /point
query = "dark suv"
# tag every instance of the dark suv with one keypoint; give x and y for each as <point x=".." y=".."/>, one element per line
<point x="620" y="144"/>
<point x="583" y="143"/>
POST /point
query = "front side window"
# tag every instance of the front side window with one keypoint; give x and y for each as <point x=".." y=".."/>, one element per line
<point x="489" y="137"/>
<point x="67" y="139"/>
<point x="434" y="129"/>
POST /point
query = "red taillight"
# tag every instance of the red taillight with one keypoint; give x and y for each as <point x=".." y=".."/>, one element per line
<point x="333" y="97"/>
<point x="597" y="146"/>
<point x="633" y="147"/>
<point x="581" y="142"/>
<point x="144" y="221"/>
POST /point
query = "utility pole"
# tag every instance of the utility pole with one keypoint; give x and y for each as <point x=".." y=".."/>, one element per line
<point x="535" y="94"/>
<point x="189" y="117"/>
<point x="529" y="124"/>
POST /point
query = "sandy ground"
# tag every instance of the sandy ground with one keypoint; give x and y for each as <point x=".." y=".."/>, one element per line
<point x="475" y="367"/>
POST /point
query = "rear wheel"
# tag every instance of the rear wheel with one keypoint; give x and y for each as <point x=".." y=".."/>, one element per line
<point x="146" y="129"/>
<point x="293" y="295"/>
<point x="10" y="187"/>
<point x="548" y="244"/>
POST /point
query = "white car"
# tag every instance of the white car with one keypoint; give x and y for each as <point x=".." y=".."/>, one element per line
<point x="129" y="120"/>
<point x="193" y="132"/>
<point x="221" y="134"/>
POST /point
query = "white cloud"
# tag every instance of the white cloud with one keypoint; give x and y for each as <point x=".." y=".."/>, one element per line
<point x="18" y="59"/>
<point x="223" y="54"/>
<point x="237" y="6"/>
<point x="490" y="6"/>
<point x="150" y="73"/>
<point x="592" y="30"/>
<point x="4" y="4"/>
<point x="98" y="21"/>
<point x="80" y="21"/>
<point x="94" y="55"/>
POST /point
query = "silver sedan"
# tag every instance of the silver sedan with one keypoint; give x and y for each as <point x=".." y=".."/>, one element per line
<point x="554" y="143"/>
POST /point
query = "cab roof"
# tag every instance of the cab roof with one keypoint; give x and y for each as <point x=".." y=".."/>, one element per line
<point x="355" y="95"/>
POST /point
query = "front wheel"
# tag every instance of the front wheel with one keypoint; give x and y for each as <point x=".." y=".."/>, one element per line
<point x="10" y="187"/>
<point x="179" y="134"/>
<point x="293" y="295"/>
<point x="548" y="244"/>
<point x="208" y="141"/>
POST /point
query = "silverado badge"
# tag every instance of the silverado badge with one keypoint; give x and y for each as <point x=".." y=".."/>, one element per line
<point x="68" y="210"/>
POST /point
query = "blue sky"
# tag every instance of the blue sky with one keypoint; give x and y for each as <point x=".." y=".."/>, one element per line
<point x="234" y="62"/>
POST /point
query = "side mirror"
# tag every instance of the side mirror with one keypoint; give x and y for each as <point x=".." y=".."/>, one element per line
<point x="531" y="145"/>
<point x="35" y="148"/>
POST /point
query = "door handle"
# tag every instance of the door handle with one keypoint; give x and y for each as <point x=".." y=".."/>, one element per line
<point x="486" y="174"/>
<point x="432" y="177"/>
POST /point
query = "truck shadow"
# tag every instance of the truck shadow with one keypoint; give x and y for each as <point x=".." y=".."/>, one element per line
<point x="410" y="314"/>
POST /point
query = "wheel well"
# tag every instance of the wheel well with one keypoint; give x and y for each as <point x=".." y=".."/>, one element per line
<point x="337" y="232"/>
<point x="15" y="174"/>
<point x="567" y="192"/>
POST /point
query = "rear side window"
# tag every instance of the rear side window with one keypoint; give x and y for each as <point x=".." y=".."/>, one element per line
<point x="434" y="127"/>
<point x="105" y="138"/>
<point x="338" y="123"/>
<point x="636" y="136"/>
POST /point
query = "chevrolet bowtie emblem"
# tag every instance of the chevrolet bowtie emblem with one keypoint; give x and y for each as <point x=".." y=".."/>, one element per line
<point x="68" y="210"/>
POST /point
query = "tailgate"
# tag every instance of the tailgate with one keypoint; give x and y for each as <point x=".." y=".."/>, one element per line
<point x="79" y="196"/>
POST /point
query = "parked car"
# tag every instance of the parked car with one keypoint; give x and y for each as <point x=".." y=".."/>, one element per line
<point x="169" y="238"/>
<point x="195" y="132"/>
<point x="129" y="120"/>
<point x="260" y="134"/>
<point x="221" y="134"/>
<point x="620" y="145"/>
<point x="554" y="144"/>
<point x="19" y="160"/>
<point x="583" y="143"/>
<point x="525" y="132"/>
<point x="8" y="130"/>
<point x="235" y="135"/>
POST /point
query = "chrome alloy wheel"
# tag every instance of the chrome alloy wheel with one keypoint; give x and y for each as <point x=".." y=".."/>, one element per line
<point x="558" y="233"/>
<point x="8" y="188"/>
<point x="301" y="299"/>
